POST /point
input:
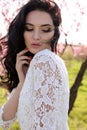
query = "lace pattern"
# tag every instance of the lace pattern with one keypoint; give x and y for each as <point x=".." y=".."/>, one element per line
<point x="46" y="93"/>
<point x="44" y="98"/>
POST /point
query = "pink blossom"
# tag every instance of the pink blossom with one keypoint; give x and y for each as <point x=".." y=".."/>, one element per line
<point x="80" y="51"/>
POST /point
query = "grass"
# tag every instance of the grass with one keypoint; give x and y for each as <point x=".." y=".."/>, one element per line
<point x="78" y="116"/>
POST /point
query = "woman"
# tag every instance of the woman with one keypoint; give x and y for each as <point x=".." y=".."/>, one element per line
<point x="36" y="75"/>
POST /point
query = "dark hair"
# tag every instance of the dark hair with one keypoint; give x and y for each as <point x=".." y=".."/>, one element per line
<point x="15" y="42"/>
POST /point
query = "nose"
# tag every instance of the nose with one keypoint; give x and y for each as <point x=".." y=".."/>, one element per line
<point x="36" y="34"/>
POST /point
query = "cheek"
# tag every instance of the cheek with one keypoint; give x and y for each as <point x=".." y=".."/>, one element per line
<point x="26" y="37"/>
<point x="50" y="35"/>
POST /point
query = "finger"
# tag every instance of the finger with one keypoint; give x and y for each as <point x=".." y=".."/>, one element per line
<point x="24" y="62"/>
<point x="23" y="58"/>
<point x="22" y="52"/>
<point x="20" y="64"/>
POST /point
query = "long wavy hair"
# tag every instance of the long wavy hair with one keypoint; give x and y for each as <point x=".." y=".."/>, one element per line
<point x="15" y="40"/>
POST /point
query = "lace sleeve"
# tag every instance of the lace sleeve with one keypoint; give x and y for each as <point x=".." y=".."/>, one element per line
<point x="6" y="124"/>
<point x="50" y="94"/>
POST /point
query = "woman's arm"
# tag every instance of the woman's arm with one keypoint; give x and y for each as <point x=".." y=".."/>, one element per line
<point x="9" y="109"/>
<point x="51" y="97"/>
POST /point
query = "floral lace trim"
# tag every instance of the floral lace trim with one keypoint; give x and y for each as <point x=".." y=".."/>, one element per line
<point x="49" y="71"/>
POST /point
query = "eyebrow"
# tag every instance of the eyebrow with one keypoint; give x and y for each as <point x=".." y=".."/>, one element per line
<point x="41" y="25"/>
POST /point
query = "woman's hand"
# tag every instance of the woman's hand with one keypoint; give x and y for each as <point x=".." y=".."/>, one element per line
<point x="11" y="106"/>
<point x="21" y="61"/>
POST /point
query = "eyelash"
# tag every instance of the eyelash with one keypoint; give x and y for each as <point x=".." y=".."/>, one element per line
<point x="45" y="31"/>
<point x="48" y="30"/>
<point x="26" y="29"/>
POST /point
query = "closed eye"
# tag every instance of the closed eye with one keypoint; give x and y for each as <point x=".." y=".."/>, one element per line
<point x="28" y="28"/>
<point x="47" y="30"/>
<point x="42" y="29"/>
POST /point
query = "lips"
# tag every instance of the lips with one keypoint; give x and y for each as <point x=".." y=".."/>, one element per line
<point x="36" y="44"/>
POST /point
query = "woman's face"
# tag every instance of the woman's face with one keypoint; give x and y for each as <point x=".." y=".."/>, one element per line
<point x="39" y="30"/>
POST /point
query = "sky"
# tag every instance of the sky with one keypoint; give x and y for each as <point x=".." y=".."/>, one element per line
<point x="74" y="19"/>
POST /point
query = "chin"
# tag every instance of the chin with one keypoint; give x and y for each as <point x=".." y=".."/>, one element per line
<point x="34" y="51"/>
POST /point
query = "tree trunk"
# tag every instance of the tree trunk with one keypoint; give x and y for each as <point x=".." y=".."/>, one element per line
<point x="76" y="85"/>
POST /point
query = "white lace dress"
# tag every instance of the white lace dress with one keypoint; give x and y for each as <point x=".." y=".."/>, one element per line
<point x="44" y="98"/>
